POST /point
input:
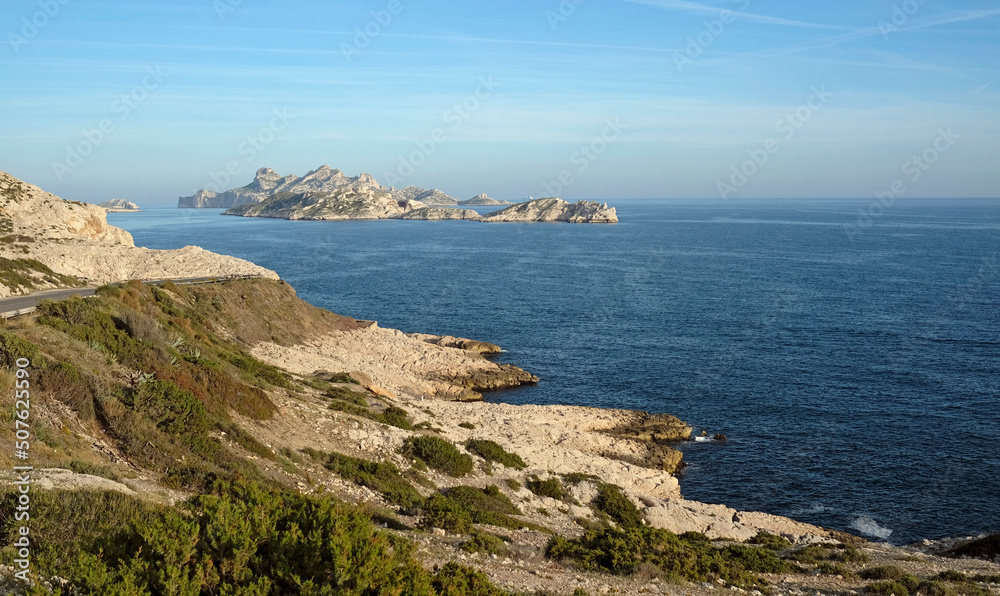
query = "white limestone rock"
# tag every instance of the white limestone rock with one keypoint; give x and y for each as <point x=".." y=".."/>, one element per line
<point x="554" y="209"/>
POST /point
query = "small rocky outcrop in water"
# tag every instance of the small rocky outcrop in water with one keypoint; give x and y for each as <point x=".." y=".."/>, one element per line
<point x="554" y="209"/>
<point x="119" y="206"/>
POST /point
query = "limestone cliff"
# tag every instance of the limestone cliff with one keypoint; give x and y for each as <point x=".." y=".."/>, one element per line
<point x="553" y="209"/>
<point x="75" y="239"/>
<point x="268" y="183"/>
<point x="344" y="203"/>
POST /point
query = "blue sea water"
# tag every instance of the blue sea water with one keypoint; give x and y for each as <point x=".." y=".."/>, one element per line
<point x="854" y="368"/>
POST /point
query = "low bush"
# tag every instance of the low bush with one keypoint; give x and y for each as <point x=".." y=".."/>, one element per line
<point x="550" y="487"/>
<point x="952" y="576"/>
<point x="245" y="541"/>
<point x="461" y="506"/>
<point x="690" y="557"/>
<point x="397" y="417"/>
<point x="612" y="502"/>
<point x="482" y="542"/>
<point x="770" y="541"/>
<point x="383" y="477"/>
<point x="467" y="425"/>
<point x="885" y="572"/>
<point x="493" y="452"/>
<point x="438" y="454"/>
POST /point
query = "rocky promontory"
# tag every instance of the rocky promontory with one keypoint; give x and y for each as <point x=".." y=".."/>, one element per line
<point x="75" y="239"/>
<point x="554" y="209"/>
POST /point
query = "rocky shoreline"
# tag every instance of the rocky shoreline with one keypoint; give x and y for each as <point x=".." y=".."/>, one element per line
<point x="351" y="388"/>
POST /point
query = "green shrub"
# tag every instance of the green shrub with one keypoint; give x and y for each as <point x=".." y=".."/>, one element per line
<point x="690" y="557"/>
<point x="467" y="425"/>
<point x="612" y="502"/>
<point x="513" y="484"/>
<point x="82" y="467"/>
<point x="383" y="477"/>
<point x="885" y="572"/>
<point x="885" y="588"/>
<point x="245" y="541"/>
<point x="341" y="377"/>
<point x="460" y="506"/>
<point x="447" y="514"/>
<point x="482" y="542"/>
<point x="438" y="454"/>
<point x="493" y="452"/>
<point x="550" y="487"/>
<point x="952" y="576"/>
<point x="770" y="541"/>
<point x="397" y="417"/>
<point x="578" y="477"/>
<point x="13" y="348"/>
<point x="455" y="580"/>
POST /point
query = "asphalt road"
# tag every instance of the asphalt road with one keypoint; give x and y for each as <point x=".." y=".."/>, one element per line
<point x="31" y="300"/>
<point x="19" y="302"/>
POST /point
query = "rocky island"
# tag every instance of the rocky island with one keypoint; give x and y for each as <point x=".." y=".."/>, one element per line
<point x="232" y="438"/>
<point x="119" y="206"/>
<point x="329" y="194"/>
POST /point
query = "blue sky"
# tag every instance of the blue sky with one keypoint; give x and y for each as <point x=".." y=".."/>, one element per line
<point x="584" y="99"/>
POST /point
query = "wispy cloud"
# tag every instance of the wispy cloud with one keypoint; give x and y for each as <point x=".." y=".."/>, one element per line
<point x="698" y="8"/>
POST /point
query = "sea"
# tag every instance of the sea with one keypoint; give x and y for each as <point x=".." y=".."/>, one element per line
<point x="849" y="352"/>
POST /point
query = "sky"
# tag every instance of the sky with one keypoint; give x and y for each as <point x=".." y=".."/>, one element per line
<point x="583" y="99"/>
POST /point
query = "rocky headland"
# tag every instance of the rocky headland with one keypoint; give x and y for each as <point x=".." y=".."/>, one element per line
<point x="119" y="206"/>
<point x="74" y="239"/>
